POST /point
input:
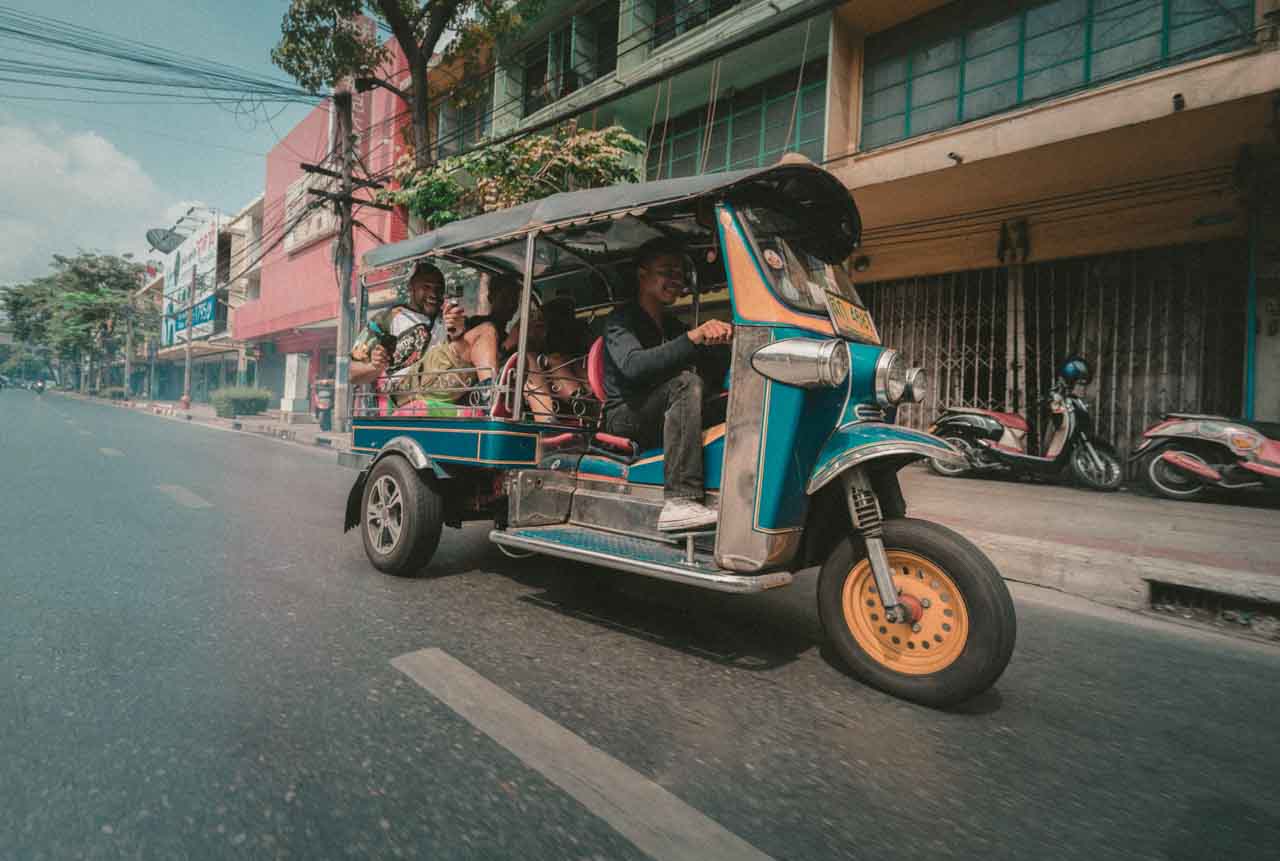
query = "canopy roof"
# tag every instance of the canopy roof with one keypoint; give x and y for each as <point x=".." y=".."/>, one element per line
<point x="827" y="208"/>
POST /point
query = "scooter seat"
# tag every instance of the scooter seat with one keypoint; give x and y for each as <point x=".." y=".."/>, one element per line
<point x="1009" y="420"/>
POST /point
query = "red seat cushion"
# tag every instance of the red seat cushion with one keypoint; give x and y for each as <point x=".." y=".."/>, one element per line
<point x="595" y="369"/>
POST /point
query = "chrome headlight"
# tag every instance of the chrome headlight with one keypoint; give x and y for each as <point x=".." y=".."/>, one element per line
<point x="917" y="385"/>
<point x="804" y="362"/>
<point x="891" y="378"/>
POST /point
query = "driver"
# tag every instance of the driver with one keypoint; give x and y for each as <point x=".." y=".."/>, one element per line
<point x="653" y="394"/>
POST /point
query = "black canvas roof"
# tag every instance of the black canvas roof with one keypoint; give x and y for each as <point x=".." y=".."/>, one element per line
<point x="826" y="203"/>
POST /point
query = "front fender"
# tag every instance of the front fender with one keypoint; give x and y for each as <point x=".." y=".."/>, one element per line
<point x="859" y="442"/>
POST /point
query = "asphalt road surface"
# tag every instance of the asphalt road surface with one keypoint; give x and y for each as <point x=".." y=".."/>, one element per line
<point x="197" y="663"/>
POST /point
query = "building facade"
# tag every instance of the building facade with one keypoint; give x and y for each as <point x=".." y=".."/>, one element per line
<point x="1037" y="178"/>
<point x="288" y="310"/>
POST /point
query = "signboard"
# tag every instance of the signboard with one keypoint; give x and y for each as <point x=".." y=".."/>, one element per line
<point x="191" y="277"/>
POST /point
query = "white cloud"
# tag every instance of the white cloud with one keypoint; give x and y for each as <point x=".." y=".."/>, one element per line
<point x="64" y="192"/>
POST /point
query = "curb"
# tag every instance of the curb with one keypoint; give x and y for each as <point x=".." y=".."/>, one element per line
<point x="1115" y="579"/>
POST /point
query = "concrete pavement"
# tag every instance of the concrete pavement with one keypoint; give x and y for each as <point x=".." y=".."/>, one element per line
<point x="199" y="664"/>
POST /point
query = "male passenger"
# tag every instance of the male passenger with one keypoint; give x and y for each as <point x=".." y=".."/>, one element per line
<point x="653" y="394"/>
<point x="412" y="328"/>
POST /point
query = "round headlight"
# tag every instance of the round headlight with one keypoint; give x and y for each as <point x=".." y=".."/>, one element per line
<point x="891" y="378"/>
<point x="917" y="385"/>
<point x="833" y="364"/>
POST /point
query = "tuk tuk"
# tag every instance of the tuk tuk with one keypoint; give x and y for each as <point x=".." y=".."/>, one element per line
<point x="803" y="472"/>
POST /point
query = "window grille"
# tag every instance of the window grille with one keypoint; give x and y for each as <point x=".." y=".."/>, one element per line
<point x="581" y="50"/>
<point x="673" y="18"/>
<point x="1044" y="50"/>
<point x="749" y="128"/>
<point x="460" y="127"/>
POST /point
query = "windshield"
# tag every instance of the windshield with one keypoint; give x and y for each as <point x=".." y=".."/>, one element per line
<point x="798" y="277"/>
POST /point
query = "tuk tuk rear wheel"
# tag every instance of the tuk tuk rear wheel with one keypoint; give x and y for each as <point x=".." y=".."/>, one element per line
<point x="401" y="517"/>
<point x="965" y="627"/>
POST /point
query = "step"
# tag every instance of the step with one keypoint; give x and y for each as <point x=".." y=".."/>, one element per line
<point x="635" y="555"/>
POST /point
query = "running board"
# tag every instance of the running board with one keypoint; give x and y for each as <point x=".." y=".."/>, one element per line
<point x="636" y="556"/>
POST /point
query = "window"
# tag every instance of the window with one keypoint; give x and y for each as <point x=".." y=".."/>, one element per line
<point x="749" y="129"/>
<point x="998" y="62"/>
<point x="673" y="18"/>
<point x="460" y="127"/>
<point x="570" y="57"/>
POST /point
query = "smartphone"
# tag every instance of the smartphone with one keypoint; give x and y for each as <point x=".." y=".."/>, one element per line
<point x="452" y="299"/>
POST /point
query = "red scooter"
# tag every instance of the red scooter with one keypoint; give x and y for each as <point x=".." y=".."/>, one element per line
<point x="1185" y="456"/>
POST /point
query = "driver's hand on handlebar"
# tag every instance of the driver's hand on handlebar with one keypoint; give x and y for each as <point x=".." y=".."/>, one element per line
<point x="711" y="333"/>
<point x="379" y="358"/>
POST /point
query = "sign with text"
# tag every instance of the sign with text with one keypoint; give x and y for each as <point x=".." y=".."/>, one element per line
<point x="190" y="277"/>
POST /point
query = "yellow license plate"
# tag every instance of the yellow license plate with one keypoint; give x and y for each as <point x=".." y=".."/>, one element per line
<point x="852" y="321"/>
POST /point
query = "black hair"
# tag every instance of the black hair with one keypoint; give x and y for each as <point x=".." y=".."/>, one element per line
<point x="659" y="247"/>
<point x="423" y="267"/>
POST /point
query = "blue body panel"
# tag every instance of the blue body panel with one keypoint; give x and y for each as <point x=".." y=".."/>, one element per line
<point x="478" y="442"/>
<point x="649" y="471"/>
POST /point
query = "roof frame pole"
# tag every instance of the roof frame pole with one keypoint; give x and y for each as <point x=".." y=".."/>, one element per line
<point x="526" y="295"/>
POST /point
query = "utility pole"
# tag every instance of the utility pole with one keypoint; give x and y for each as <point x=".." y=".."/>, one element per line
<point x="344" y="202"/>
<point x="128" y="352"/>
<point x="346" y="263"/>
<point x="186" y="374"/>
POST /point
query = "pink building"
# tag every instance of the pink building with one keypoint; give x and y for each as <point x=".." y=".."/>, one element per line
<point x="290" y="315"/>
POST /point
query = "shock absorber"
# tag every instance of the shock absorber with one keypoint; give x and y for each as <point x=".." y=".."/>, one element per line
<point x="864" y="512"/>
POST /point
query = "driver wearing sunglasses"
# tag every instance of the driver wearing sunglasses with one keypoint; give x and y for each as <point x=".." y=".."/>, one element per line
<point x="653" y="391"/>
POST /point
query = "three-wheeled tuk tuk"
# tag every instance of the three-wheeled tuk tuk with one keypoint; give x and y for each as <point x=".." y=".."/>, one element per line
<point x="803" y="472"/>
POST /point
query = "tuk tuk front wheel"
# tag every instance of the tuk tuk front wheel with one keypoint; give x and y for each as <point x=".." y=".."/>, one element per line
<point x="963" y="625"/>
<point x="402" y="515"/>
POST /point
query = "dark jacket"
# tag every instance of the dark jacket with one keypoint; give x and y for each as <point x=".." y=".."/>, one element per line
<point x="638" y="356"/>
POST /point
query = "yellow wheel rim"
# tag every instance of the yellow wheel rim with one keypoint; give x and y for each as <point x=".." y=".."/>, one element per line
<point x="930" y="644"/>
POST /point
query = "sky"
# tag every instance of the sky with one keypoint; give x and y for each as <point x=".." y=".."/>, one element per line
<point x="95" y="177"/>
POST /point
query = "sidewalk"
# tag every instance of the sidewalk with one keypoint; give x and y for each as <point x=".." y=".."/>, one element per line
<point x="1125" y="549"/>
<point x="264" y="425"/>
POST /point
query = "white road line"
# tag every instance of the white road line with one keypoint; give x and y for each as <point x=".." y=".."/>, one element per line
<point x="112" y="452"/>
<point x="659" y="824"/>
<point x="183" y="497"/>
<point x="84" y="432"/>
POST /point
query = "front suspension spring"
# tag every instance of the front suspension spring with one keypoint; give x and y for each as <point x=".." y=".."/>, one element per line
<point x="866" y="512"/>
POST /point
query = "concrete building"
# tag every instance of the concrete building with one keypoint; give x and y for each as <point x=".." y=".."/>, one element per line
<point x="1037" y="178"/>
<point x="289" y="310"/>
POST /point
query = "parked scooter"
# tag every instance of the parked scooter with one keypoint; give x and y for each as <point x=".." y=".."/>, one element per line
<point x="322" y="403"/>
<point x="997" y="442"/>
<point x="1184" y="456"/>
<point x="38" y="387"/>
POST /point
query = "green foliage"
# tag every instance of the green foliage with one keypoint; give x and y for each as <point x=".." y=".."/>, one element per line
<point x="320" y="44"/>
<point x="517" y="172"/>
<point x="81" y="308"/>
<point x="240" y="401"/>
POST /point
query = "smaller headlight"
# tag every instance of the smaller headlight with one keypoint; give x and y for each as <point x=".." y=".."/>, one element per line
<point x="891" y="378"/>
<point x="917" y="385"/>
<point x="833" y="363"/>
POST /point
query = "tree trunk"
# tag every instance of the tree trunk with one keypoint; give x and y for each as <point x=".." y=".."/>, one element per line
<point x="421" y="115"/>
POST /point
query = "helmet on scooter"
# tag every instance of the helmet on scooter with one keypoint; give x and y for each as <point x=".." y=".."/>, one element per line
<point x="1075" y="370"/>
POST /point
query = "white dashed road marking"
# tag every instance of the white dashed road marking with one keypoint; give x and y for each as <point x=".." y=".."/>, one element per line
<point x="112" y="452"/>
<point x="83" y="432"/>
<point x="183" y="497"/>
<point x="659" y="824"/>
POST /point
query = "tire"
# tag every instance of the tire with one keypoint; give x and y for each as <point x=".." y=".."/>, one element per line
<point x="1164" y="480"/>
<point x="968" y="629"/>
<point x="415" y="506"/>
<point x="950" y="471"/>
<point x="1086" y="473"/>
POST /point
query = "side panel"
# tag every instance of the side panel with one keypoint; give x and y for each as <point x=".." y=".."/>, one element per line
<point x="478" y="442"/>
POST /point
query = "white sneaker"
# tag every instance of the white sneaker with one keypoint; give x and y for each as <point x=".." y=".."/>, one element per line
<point x="685" y="514"/>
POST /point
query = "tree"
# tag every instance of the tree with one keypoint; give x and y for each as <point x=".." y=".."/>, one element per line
<point x="517" y="172"/>
<point x="78" y="311"/>
<point x="322" y="44"/>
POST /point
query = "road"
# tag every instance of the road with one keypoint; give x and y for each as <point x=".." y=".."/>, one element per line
<point x="197" y="663"/>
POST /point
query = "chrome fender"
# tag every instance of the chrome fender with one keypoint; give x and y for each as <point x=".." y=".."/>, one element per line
<point x="412" y="451"/>
<point x="406" y="447"/>
<point x="858" y="442"/>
